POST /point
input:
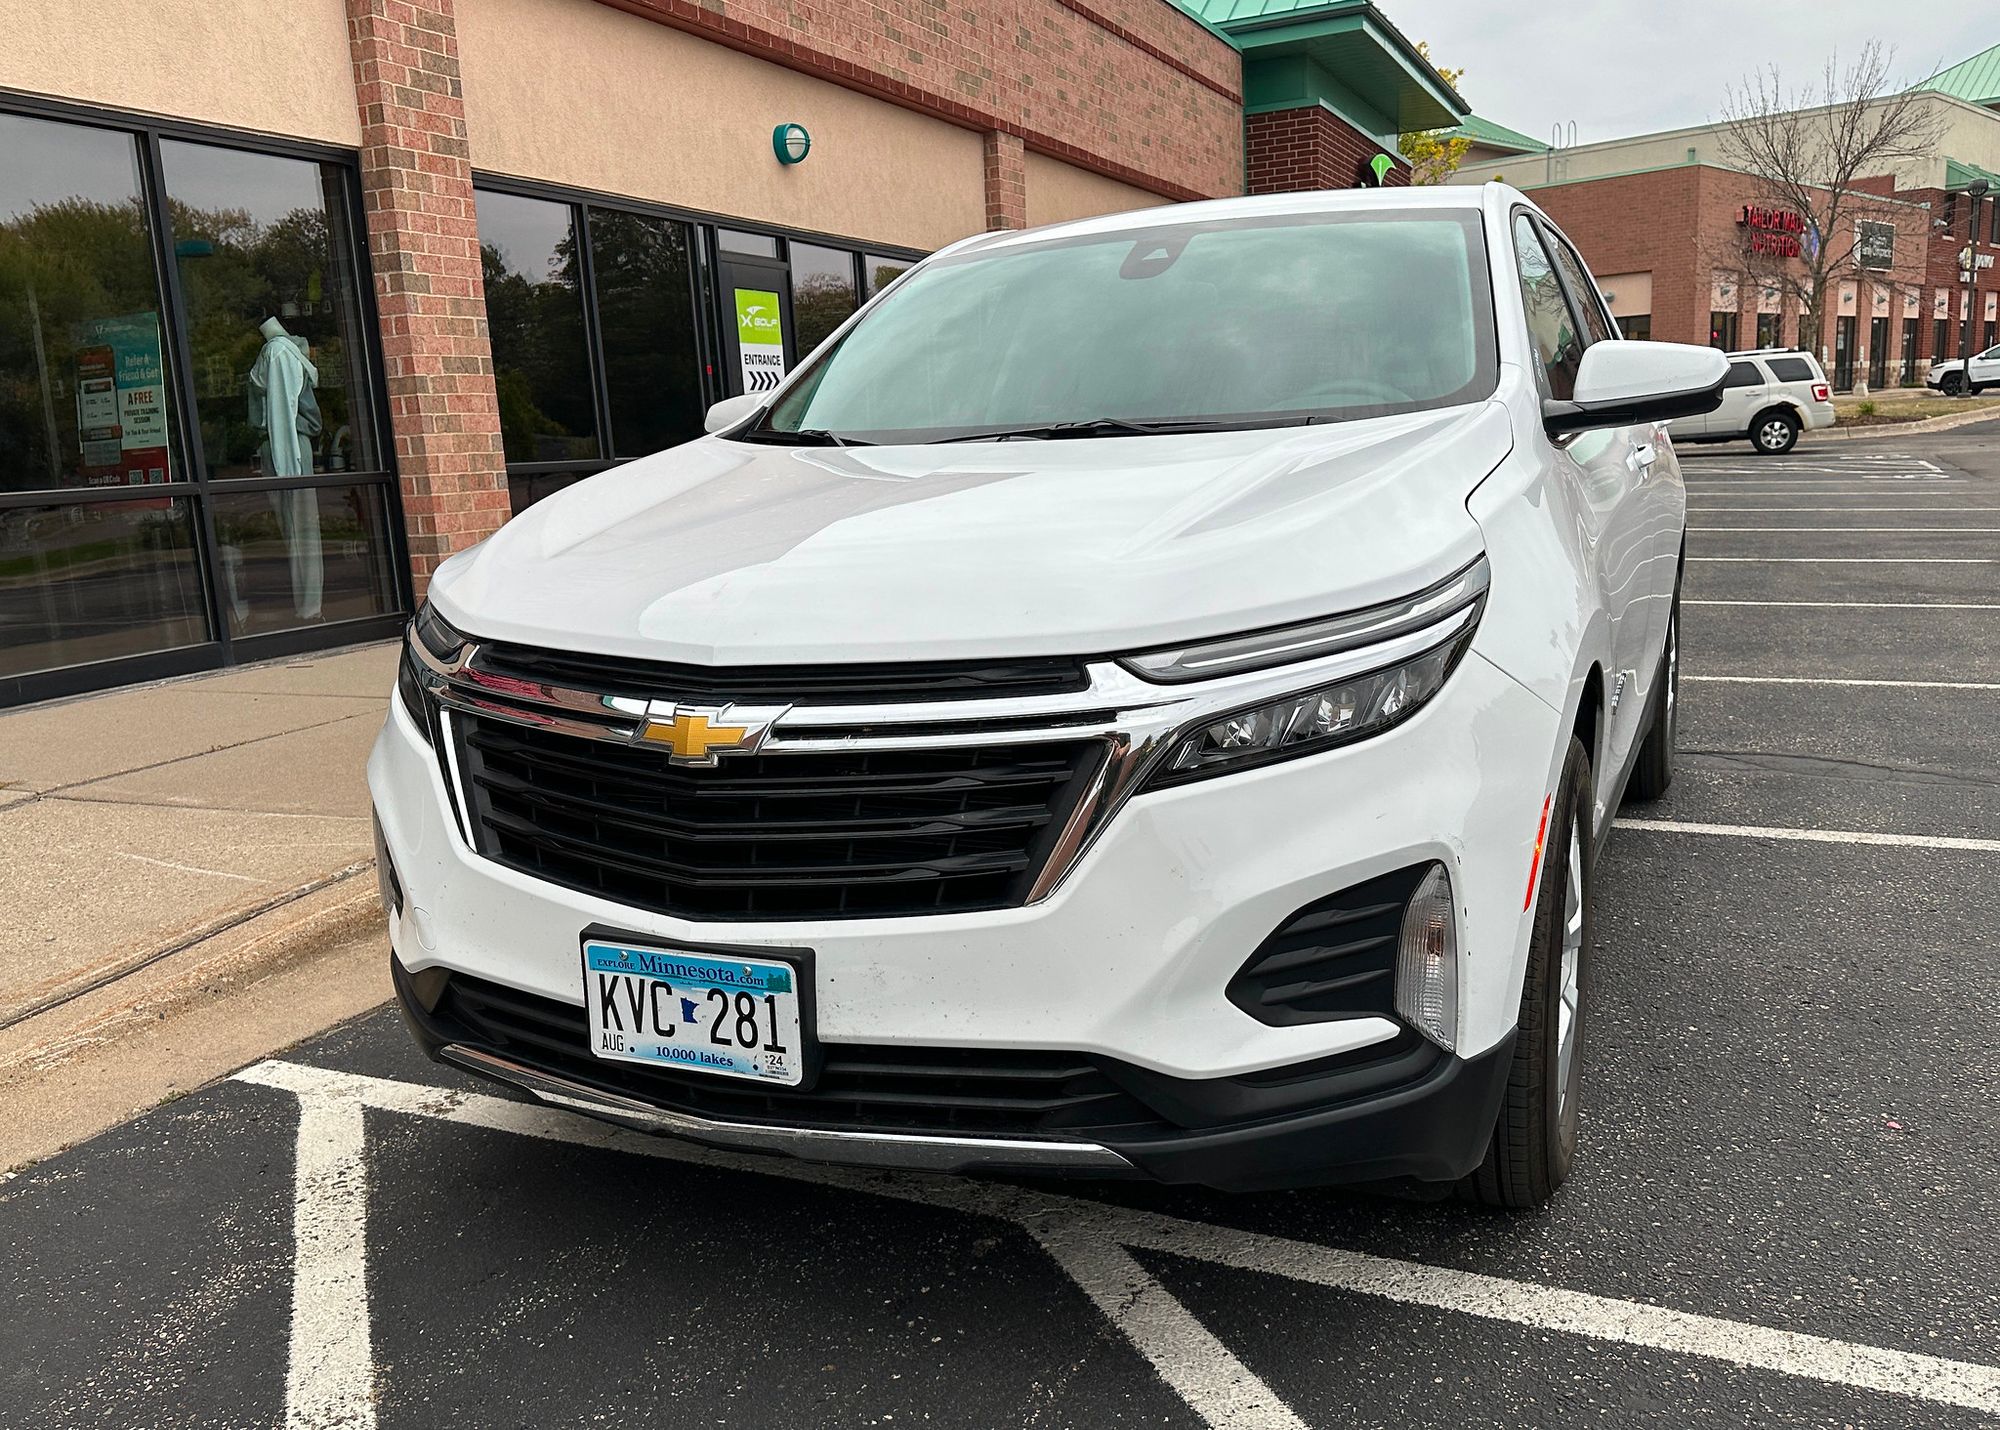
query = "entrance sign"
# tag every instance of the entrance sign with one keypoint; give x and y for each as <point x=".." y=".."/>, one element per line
<point x="760" y="339"/>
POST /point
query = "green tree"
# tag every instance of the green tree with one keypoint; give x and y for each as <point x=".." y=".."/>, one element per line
<point x="1434" y="154"/>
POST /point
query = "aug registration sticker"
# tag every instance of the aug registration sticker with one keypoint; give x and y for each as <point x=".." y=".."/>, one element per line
<point x="734" y="1017"/>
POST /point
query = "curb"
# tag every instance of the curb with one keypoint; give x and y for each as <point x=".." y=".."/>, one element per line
<point x="304" y="924"/>
<point x="1896" y="429"/>
<point x="51" y="995"/>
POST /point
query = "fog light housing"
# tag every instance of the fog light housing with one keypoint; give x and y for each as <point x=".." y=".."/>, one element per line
<point x="1427" y="961"/>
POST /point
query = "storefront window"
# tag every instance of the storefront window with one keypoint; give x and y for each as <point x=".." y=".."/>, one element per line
<point x="1767" y="330"/>
<point x="1722" y="331"/>
<point x="652" y="367"/>
<point x="755" y="245"/>
<point x="303" y="556"/>
<point x="95" y="581"/>
<point x="1638" y="326"/>
<point x="83" y="366"/>
<point x="279" y="354"/>
<point x="822" y="293"/>
<point x="534" y="312"/>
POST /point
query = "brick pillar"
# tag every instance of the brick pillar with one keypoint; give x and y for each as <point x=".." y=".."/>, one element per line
<point x="423" y="241"/>
<point x="1287" y="150"/>
<point x="1006" y="180"/>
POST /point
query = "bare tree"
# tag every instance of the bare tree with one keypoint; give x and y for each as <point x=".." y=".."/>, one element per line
<point x="1806" y="149"/>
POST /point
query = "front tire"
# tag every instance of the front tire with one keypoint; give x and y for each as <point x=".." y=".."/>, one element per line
<point x="1952" y="385"/>
<point x="1774" y="433"/>
<point x="1534" y="1139"/>
<point x="1653" y="770"/>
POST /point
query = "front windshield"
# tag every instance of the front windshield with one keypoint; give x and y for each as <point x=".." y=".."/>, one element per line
<point x="1227" y="323"/>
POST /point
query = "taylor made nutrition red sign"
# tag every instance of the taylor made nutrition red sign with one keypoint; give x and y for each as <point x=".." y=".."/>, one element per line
<point x="1775" y="231"/>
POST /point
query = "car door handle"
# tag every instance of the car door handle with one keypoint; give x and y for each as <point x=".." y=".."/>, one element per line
<point x="1641" y="458"/>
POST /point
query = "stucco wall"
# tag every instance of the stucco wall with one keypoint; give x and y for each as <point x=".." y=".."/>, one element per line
<point x="581" y="94"/>
<point x="1059" y="191"/>
<point x="281" y="69"/>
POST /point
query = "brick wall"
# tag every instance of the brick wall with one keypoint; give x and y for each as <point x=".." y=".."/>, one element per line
<point x="1288" y="150"/>
<point x="1133" y="89"/>
<point x="1941" y="270"/>
<point x="423" y="244"/>
<point x="1006" y="181"/>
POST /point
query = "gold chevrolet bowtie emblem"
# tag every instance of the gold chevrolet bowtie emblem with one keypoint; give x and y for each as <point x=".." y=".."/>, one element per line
<point x="698" y="736"/>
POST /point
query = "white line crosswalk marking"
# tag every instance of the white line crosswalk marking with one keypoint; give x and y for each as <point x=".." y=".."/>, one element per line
<point x="1091" y="1241"/>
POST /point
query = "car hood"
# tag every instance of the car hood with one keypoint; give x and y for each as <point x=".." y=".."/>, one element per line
<point x="726" y="553"/>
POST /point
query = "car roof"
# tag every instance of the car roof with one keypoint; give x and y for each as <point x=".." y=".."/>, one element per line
<point x="1463" y="198"/>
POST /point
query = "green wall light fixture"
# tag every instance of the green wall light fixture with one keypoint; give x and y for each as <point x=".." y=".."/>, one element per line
<point x="791" y="143"/>
<point x="1381" y="164"/>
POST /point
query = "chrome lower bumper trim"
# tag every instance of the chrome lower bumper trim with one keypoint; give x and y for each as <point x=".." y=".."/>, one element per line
<point x="867" y="1149"/>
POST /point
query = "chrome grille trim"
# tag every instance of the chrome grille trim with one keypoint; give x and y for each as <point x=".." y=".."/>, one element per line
<point x="1137" y="720"/>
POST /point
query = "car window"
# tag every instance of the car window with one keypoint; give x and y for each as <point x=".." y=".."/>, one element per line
<point x="1743" y="374"/>
<point x="1791" y="369"/>
<point x="1596" y="326"/>
<point x="1550" y="323"/>
<point x="1251" y="320"/>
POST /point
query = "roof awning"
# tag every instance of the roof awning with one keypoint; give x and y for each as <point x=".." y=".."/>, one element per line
<point x="1960" y="175"/>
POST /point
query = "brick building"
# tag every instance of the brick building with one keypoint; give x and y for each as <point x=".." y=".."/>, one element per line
<point x="1690" y="251"/>
<point x="296" y="301"/>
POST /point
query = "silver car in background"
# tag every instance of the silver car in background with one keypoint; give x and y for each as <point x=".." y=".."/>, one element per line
<point x="1770" y="396"/>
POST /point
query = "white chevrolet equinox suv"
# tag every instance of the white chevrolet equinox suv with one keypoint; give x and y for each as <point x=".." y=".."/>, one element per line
<point x="1144" y="699"/>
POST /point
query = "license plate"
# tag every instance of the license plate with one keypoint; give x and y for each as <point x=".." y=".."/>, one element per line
<point x="698" y="1012"/>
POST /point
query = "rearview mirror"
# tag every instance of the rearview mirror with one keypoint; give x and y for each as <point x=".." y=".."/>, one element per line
<point x="731" y="411"/>
<point x="1624" y="384"/>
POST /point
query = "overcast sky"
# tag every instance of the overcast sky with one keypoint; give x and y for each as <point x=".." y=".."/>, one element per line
<point x="1621" y="67"/>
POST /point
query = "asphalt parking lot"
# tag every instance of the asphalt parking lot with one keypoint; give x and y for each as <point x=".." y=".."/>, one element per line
<point x="1784" y="1215"/>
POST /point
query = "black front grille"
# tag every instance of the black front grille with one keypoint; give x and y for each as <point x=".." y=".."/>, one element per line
<point x="1334" y="958"/>
<point x="782" y="684"/>
<point x="774" y="836"/>
<point x="859" y="1086"/>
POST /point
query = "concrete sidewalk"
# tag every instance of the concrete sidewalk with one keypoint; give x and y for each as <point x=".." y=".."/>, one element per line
<point x="174" y="841"/>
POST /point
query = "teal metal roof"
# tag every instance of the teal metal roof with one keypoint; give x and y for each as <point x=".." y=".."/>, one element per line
<point x="1959" y="174"/>
<point x="1355" y="54"/>
<point x="1497" y="136"/>
<point x="1976" y="81"/>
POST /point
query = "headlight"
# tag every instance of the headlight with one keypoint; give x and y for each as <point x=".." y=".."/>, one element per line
<point x="444" y="644"/>
<point x="1320" y="719"/>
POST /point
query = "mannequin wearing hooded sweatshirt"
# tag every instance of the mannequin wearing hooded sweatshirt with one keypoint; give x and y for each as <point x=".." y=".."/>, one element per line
<point x="283" y="407"/>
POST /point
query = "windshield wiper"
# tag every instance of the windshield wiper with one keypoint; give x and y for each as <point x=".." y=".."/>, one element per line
<point x="1117" y="427"/>
<point x="803" y="437"/>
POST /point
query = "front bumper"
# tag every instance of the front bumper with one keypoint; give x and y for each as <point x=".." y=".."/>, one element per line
<point x="1126" y="962"/>
<point x="1412" y="1113"/>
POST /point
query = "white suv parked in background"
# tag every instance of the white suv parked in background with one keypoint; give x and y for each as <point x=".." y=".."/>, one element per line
<point x="1770" y="396"/>
<point x="1949" y="377"/>
<point x="1144" y="699"/>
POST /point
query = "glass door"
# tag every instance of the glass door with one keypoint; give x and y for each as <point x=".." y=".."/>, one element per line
<point x="1878" y="352"/>
<point x="1843" y="352"/>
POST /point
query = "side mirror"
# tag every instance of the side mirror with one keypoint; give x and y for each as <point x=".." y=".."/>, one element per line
<point x="731" y="412"/>
<point x="1626" y="383"/>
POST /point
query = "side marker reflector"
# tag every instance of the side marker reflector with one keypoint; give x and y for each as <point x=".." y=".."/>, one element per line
<point x="1535" y="864"/>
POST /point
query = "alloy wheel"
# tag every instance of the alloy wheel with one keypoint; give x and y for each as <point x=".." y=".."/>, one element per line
<point x="1773" y="435"/>
<point x="1569" y="992"/>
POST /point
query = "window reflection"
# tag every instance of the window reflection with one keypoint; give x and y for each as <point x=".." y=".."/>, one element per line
<point x="646" y="321"/>
<point x="303" y="556"/>
<point x="83" y="374"/>
<point x="534" y="313"/>
<point x="94" y="581"/>
<point x="881" y="272"/>
<point x="822" y="293"/>
<point x="274" y="315"/>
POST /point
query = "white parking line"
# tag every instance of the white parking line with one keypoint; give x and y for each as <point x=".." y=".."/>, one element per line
<point x="1082" y="1235"/>
<point x="1837" y="680"/>
<point x="331" y="1367"/>
<point x="1860" y="605"/>
<point x="1814" y="836"/>
<point x="1846" y="528"/>
<point x="1865" y="560"/>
